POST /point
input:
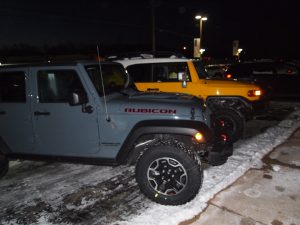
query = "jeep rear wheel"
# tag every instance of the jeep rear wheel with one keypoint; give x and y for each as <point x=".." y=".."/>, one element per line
<point x="3" y="165"/>
<point x="169" y="175"/>
<point x="228" y="123"/>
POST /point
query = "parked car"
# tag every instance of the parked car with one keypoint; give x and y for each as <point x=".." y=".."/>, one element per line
<point x="281" y="79"/>
<point x="216" y="70"/>
<point x="232" y="102"/>
<point x="62" y="110"/>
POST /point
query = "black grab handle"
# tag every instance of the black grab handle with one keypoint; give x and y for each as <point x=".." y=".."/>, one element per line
<point x="38" y="113"/>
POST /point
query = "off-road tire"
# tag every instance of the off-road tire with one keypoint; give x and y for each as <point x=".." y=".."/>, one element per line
<point x="169" y="174"/>
<point x="3" y="165"/>
<point x="229" y="122"/>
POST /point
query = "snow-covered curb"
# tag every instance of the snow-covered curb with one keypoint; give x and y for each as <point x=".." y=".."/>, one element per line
<point x="247" y="154"/>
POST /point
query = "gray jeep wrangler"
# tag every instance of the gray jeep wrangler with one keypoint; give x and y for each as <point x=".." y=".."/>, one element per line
<point x="72" y="111"/>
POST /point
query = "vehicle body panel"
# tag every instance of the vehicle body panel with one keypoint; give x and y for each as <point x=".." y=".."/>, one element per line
<point x="60" y="129"/>
<point x="16" y="117"/>
<point x="197" y="84"/>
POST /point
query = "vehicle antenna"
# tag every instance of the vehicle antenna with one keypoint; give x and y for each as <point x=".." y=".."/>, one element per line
<point x="103" y="89"/>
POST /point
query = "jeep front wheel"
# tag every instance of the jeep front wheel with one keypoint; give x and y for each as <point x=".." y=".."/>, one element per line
<point x="169" y="175"/>
<point x="3" y="165"/>
<point x="228" y="122"/>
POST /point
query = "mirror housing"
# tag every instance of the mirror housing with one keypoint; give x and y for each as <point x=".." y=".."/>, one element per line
<point x="184" y="83"/>
<point x="78" y="97"/>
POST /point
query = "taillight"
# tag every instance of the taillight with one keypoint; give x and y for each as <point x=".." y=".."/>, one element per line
<point x="224" y="137"/>
<point x="254" y="93"/>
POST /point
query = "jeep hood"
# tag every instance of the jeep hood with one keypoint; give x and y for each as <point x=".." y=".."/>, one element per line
<point x="163" y="104"/>
<point x="162" y="96"/>
<point x="158" y="99"/>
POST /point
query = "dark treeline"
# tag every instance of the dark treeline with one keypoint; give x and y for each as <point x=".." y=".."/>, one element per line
<point x="22" y="52"/>
<point x="26" y="52"/>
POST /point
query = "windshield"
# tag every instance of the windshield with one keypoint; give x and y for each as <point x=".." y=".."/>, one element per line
<point x="202" y="74"/>
<point x="114" y="77"/>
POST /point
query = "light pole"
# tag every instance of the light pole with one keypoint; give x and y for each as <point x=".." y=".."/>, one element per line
<point x="200" y="18"/>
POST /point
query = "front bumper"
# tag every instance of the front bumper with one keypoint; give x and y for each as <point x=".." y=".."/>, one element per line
<point x="260" y="107"/>
<point x="219" y="153"/>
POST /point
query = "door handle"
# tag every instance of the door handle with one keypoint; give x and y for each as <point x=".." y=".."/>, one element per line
<point x="38" y="113"/>
<point x="2" y="112"/>
<point x="152" y="89"/>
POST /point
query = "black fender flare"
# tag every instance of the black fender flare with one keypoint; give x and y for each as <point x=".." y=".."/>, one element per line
<point x="172" y="127"/>
<point x="4" y="149"/>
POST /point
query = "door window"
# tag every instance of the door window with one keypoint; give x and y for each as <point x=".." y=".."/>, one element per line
<point x="170" y="72"/>
<point x="286" y="69"/>
<point x="140" y="72"/>
<point x="263" y="68"/>
<point x="57" y="85"/>
<point x="12" y="87"/>
<point x="158" y="72"/>
<point x="114" y="77"/>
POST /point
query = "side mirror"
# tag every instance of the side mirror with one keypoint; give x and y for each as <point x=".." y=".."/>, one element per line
<point x="184" y="83"/>
<point x="78" y="97"/>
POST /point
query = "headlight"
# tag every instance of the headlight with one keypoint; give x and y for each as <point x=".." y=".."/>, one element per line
<point x="228" y="76"/>
<point x="199" y="137"/>
<point x="254" y="93"/>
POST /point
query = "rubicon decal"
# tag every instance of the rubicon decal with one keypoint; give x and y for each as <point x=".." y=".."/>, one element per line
<point x="152" y="111"/>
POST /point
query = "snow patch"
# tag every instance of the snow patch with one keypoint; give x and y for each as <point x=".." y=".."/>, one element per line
<point x="276" y="168"/>
<point x="247" y="154"/>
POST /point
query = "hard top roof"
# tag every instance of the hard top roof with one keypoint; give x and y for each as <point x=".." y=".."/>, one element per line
<point x="54" y="63"/>
<point x="145" y="55"/>
<point x="128" y="62"/>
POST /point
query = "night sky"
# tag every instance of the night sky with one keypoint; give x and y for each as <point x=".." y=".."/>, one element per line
<point x="263" y="28"/>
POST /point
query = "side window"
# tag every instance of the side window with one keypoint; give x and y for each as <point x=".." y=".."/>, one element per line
<point x="170" y="72"/>
<point x="200" y="68"/>
<point x="241" y="70"/>
<point x="140" y="72"/>
<point x="160" y="73"/>
<point x="285" y="69"/>
<point x="114" y="77"/>
<point x="263" y="68"/>
<point x="57" y="85"/>
<point x="12" y="87"/>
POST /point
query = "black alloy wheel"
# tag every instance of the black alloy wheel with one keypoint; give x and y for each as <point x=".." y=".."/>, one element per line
<point x="169" y="174"/>
<point x="228" y="124"/>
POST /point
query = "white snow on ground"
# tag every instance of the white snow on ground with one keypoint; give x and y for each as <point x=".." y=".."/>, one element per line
<point x="247" y="154"/>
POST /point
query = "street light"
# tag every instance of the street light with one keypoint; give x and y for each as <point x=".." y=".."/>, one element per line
<point x="239" y="52"/>
<point x="200" y="18"/>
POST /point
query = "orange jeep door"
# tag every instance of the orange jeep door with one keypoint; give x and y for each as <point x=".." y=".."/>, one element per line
<point x="164" y="77"/>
